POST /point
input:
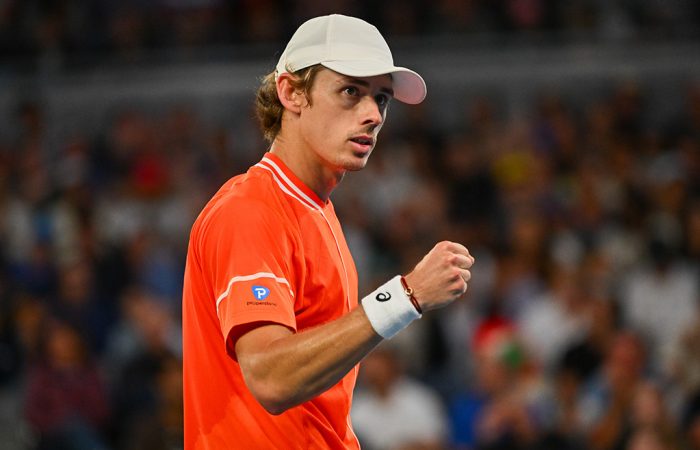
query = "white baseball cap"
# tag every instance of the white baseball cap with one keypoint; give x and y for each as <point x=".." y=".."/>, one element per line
<point x="351" y="47"/>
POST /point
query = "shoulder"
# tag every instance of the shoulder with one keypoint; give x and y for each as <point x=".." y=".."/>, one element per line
<point x="247" y="199"/>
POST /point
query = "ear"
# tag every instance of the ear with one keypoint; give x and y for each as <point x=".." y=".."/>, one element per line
<point x="292" y="99"/>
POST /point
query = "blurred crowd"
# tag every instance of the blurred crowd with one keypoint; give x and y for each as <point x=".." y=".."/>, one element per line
<point x="127" y="28"/>
<point x="581" y="328"/>
<point x="94" y="236"/>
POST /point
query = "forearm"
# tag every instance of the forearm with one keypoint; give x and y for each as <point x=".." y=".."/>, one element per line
<point x="283" y="369"/>
<point x="293" y="368"/>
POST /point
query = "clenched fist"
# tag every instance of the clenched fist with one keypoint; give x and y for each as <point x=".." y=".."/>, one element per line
<point x="441" y="276"/>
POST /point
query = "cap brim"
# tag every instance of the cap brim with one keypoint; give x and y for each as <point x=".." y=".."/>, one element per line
<point x="409" y="87"/>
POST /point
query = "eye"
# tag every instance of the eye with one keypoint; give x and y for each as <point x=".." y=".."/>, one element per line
<point x="351" y="91"/>
<point x="382" y="99"/>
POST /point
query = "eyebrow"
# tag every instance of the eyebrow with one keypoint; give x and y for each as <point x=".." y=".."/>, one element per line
<point x="364" y="83"/>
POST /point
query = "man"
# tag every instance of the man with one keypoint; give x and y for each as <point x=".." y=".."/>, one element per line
<point x="273" y="331"/>
<point x="393" y="410"/>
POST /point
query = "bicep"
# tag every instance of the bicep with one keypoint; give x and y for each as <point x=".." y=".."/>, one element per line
<point x="252" y="340"/>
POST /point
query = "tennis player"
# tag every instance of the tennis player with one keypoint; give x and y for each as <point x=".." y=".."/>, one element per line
<point x="273" y="330"/>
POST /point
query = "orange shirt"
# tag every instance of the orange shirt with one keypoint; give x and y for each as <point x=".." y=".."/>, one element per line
<point x="264" y="249"/>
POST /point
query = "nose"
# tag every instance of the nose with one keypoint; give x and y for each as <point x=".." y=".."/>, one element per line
<point x="371" y="112"/>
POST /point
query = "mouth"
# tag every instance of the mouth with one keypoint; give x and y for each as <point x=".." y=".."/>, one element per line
<point x="364" y="143"/>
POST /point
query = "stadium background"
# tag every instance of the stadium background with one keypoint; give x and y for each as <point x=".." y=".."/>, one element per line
<point x="560" y="141"/>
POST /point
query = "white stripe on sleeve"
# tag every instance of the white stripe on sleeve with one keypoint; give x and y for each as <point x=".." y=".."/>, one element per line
<point x="254" y="276"/>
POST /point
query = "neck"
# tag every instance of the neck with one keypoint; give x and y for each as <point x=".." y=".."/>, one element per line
<point x="305" y="165"/>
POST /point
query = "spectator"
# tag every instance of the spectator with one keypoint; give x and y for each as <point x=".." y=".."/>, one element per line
<point x="584" y="357"/>
<point x="647" y="439"/>
<point x="393" y="411"/>
<point x="509" y="406"/>
<point x="66" y="402"/>
<point x="684" y="369"/>
<point x="660" y="300"/>
<point x="651" y="418"/>
<point x="555" y="320"/>
<point x="607" y="401"/>
<point x="79" y="302"/>
<point x="161" y="428"/>
<point x="140" y="355"/>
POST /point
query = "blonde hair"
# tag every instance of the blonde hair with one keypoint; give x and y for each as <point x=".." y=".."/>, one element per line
<point x="268" y="107"/>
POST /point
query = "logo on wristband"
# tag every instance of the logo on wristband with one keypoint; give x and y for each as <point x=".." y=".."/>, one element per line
<point x="382" y="296"/>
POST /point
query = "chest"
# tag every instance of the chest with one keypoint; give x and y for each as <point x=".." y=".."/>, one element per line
<point x="328" y="278"/>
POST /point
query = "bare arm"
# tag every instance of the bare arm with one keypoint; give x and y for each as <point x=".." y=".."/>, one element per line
<point x="283" y="369"/>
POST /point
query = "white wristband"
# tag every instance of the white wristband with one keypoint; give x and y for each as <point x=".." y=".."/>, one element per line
<point x="389" y="309"/>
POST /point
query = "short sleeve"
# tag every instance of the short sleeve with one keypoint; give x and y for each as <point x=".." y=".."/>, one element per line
<point x="246" y="248"/>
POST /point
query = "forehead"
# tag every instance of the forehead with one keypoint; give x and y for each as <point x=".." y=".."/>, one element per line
<point x="379" y="82"/>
